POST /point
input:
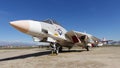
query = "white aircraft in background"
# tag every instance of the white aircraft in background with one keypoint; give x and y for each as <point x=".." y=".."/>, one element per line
<point x="50" y="31"/>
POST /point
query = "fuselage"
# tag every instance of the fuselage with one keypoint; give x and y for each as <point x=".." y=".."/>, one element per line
<point x="43" y="30"/>
<point x="50" y="31"/>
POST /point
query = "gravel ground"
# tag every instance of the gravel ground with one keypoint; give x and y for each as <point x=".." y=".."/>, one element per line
<point x="101" y="57"/>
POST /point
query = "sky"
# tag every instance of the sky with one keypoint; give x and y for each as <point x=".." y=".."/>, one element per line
<point x="100" y="18"/>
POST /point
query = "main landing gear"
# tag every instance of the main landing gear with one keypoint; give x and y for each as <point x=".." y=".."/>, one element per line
<point x="87" y="48"/>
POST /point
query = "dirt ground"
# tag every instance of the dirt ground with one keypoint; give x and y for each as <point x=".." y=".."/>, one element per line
<point x="101" y="57"/>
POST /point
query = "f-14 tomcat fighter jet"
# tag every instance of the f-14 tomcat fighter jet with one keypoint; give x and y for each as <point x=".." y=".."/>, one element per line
<point x="50" y="31"/>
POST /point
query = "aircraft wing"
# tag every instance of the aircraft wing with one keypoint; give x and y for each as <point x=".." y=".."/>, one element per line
<point x="70" y="37"/>
<point x="91" y="37"/>
<point x="95" y="39"/>
<point x="75" y="36"/>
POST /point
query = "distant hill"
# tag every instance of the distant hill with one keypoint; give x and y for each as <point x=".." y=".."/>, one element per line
<point x="16" y="43"/>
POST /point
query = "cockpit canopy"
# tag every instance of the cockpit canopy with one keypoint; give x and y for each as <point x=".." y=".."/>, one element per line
<point x="50" y="21"/>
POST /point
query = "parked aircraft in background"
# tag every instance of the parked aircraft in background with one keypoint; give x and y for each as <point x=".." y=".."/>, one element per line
<point x="105" y="41"/>
<point x="52" y="32"/>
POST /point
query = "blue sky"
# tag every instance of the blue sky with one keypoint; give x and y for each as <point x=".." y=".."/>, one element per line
<point x="100" y="18"/>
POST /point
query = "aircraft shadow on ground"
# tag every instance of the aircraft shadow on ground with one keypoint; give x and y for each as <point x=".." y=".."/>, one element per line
<point x="36" y="55"/>
<point x="65" y="51"/>
<point x="26" y="56"/>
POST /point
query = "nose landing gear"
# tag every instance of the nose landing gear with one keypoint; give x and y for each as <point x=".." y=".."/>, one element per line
<point x="55" y="48"/>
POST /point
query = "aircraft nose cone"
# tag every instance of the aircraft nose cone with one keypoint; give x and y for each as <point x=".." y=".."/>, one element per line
<point x="22" y="26"/>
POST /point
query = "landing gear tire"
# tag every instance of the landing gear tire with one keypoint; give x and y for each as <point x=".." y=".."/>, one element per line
<point x="60" y="49"/>
<point x="57" y="51"/>
<point x="87" y="47"/>
<point x="54" y="52"/>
